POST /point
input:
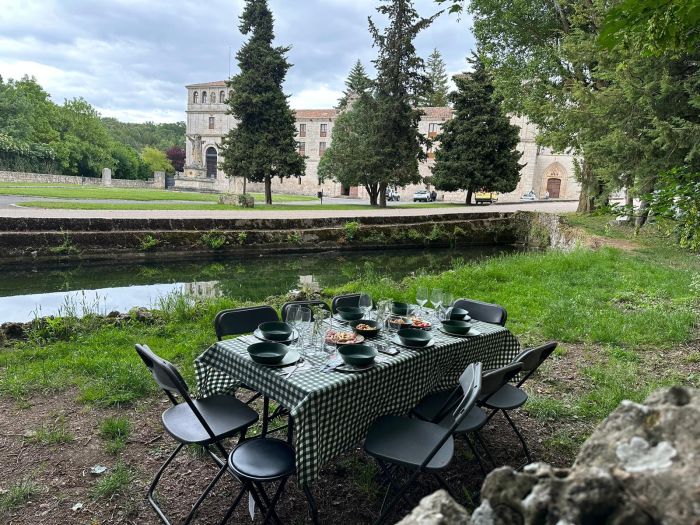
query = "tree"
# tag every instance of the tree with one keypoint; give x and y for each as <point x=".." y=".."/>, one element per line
<point x="127" y="163"/>
<point x="437" y="95"/>
<point x="263" y="145"/>
<point x="478" y="145"/>
<point x="397" y="144"/>
<point x="176" y="155"/>
<point x="351" y="159"/>
<point x="356" y="84"/>
<point x="139" y="135"/>
<point x="156" y="160"/>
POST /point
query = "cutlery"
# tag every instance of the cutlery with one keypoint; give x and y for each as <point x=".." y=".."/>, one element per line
<point x="301" y="360"/>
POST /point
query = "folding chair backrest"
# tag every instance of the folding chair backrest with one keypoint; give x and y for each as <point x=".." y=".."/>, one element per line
<point x="309" y="304"/>
<point x="493" y="380"/>
<point x="242" y="320"/>
<point x="470" y="383"/>
<point x="532" y="358"/>
<point x="481" y="311"/>
<point x="164" y="373"/>
<point x="338" y="301"/>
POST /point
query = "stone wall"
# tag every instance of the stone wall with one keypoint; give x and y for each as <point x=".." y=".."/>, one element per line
<point x="157" y="182"/>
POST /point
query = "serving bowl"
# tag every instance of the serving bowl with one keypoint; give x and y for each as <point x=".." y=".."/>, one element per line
<point x="276" y="330"/>
<point x="414" y="337"/>
<point x="458" y="314"/>
<point x="371" y="332"/>
<point x="267" y="352"/>
<point x="357" y="354"/>
<point x="350" y="313"/>
<point x="455" y="326"/>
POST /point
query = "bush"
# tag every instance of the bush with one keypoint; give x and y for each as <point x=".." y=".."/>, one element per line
<point x="214" y="240"/>
<point x="351" y="229"/>
<point x="678" y="198"/>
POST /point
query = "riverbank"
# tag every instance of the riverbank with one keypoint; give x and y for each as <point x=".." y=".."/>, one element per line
<point x="75" y="395"/>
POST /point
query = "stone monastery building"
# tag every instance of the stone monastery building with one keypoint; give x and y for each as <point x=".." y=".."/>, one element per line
<point x="207" y="123"/>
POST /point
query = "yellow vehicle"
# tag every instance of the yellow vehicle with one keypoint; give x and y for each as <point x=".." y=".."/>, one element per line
<point x="486" y="196"/>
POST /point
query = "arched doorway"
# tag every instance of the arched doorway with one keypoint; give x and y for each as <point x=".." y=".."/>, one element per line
<point x="553" y="188"/>
<point x="211" y="162"/>
<point x="553" y="181"/>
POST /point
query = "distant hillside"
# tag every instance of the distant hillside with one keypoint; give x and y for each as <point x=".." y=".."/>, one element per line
<point x="138" y="136"/>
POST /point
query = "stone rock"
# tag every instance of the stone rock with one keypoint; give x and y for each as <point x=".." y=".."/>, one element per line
<point x="13" y="330"/>
<point x="437" y="509"/>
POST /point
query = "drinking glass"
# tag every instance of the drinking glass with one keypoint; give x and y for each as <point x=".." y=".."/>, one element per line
<point x="292" y="314"/>
<point x="365" y="302"/>
<point x="421" y="296"/>
<point x="303" y="323"/>
<point x="447" y="300"/>
<point x="436" y="299"/>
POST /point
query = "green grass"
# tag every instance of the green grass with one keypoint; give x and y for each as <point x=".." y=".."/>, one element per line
<point x="53" y="433"/>
<point x="71" y="191"/>
<point x="116" y="482"/>
<point x="115" y="431"/>
<point x="17" y="495"/>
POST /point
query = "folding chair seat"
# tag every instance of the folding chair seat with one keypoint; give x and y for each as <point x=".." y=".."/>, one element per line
<point x="257" y="462"/>
<point x="419" y="446"/>
<point x="308" y="304"/>
<point x="506" y="396"/>
<point x="339" y="301"/>
<point x="204" y="422"/>
<point x="481" y="311"/>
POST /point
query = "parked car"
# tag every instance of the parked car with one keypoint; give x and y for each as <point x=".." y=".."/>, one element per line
<point x="486" y="196"/>
<point x="392" y="195"/>
<point x="421" y="196"/>
<point x="529" y="196"/>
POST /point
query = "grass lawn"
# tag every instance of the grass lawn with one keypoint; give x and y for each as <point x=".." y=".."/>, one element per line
<point x="71" y="191"/>
<point x="626" y="320"/>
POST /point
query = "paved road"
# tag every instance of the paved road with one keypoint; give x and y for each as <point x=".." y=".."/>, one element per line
<point x="8" y="209"/>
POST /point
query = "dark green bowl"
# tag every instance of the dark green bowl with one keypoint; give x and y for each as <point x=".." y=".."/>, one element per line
<point x="275" y="330"/>
<point x="414" y="337"/>
<point x="458" y="314"/>
<point x="455" y="326"/>
<point x="350" y="313"/>
<point x="267" y="353"/>
<point x="357" y="355"/>
<point x="376" y="326"/>
<point x="401" y="308"/>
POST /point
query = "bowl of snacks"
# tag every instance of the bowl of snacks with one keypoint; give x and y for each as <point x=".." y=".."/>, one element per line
<point x="420" y="323"/>
<point x="276" y="331"/>
<point x="267" y="352"/>
<point x="414" y="337"/>
<point x="343" y="338"/>
<point x="350" y="313"/>
<point x="365" y="327"/>
<point x="357" y="354"/>
<point x="396" y="322"/>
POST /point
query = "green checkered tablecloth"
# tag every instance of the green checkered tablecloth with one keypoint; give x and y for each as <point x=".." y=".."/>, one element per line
<point x="332" y="411"/>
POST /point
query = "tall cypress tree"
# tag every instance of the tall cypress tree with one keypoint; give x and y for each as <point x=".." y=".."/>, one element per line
<point x="356" y="84"/>
<point x="437" y="95"/>
<point x="478" y="145"/>
<point x="263" y="145"/>
<point x="400" y="79"/>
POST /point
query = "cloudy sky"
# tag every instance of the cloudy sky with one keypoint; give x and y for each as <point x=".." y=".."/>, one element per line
<point x="132" y="58"/>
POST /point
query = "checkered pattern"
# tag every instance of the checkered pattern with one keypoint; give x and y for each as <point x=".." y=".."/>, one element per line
<point x="332" y="411"/>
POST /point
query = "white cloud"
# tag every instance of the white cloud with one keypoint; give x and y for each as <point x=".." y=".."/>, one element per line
<point x="317" y="98"/>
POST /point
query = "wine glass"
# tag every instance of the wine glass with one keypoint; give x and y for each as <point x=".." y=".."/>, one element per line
<point x="447" y="300"/>
<point x="421" y="296"/>
<point x="365" y="302"/>
<point x="303" y="322"/>
<point x="436" y="299"/>
<point x="292" y="313"/>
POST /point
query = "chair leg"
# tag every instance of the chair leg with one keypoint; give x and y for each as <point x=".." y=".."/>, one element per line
<point x="266" y="416"/>
<point x="313" y="510"/>
<point x="392" y="484"/>
<point x="272" y="503"/>
<point x="398" y="496"/>
<point x="481" y="442"/>
<point x="204" y="495"/>
<point x="155" y="481"/>
<point x="520" y="436"/>
<point x="233" y="506"/>
<point x="476" y="455"/>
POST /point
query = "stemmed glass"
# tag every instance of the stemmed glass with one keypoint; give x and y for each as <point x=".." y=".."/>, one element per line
<point x="436" y="299"/>
<point x="365" y="302"/>
<point x="422" y="297"/>
<point x="447" y="300"/>
<point x="292" y="314"/>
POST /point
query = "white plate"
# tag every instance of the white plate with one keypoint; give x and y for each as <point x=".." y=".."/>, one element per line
<point x="397" y="341"/>
<point x="289" y="358"/>
<point x="258" y="334"/>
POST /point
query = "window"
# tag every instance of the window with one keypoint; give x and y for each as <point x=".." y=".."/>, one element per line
<point x="211" y="122"/>
<point x="302" y="130"/>
<point x="222" y="96"/>
<point x="204" y="97"/>
<point x="321" y="148"/>
<point x="324" y="130"/>
<point x="301" y="147"/>
<point x="433" y="130"/>
<point x="195" y="97"/>
<point x="211" y="162"/>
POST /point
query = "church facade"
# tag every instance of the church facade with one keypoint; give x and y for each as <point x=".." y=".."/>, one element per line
<point x="545" y="171"/>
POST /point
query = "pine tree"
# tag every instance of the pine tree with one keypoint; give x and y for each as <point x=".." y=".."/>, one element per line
<point x="263" y="145"/>
<point x="397" y="143"/>
<point x="356" y="84"/>
<point x="478" y="145"/>
<point x="437" y="95"/>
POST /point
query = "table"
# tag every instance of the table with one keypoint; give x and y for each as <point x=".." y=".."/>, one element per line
<point x="332" y="411"/>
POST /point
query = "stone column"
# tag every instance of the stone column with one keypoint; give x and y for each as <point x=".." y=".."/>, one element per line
<point x="106" y="177"/>
<point x="159" y="179"/>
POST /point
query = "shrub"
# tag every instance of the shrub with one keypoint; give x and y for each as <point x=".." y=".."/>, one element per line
<point x="149" y="243"/>
<point x="678" y="198"/>
<point x="214" y="240"/>
<point x="351" y="228"/>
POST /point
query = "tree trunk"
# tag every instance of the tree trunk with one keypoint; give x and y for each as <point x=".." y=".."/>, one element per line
<point x="245" y="179"/>
<point x="469" y="197"/>
<point x="590" y="189"/>
<point x="268" y="190"/>
<point x="642" y="214"/>
<point x="373" y="192"/>
<point x="629" y="206"/>
<point x="382" y="194"/>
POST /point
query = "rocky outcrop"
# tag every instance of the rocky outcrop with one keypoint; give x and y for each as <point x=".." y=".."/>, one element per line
<point x="640" y="467"/>
<point x="437" y="509"/>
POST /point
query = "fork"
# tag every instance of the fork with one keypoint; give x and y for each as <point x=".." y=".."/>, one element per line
<point x="301" y="360"/>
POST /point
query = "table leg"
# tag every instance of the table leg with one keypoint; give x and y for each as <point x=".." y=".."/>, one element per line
<point x="266" y="411"/>
<point x="312" y="505"/>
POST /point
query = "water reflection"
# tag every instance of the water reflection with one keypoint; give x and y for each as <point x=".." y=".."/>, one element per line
<point x="25" y="293"/>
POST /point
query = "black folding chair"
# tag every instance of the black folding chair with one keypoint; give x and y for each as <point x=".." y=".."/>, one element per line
<point x="308" y="304"/>
<point x="338" y="301"/>
<point x="509" y="396"/>
<point x="203" y="422"/>
<point x="256" y="462"/>
<point x="419" y="446"/>
<point x="481" y="311"/>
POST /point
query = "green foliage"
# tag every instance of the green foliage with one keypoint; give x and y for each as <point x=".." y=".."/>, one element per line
<point x="293" y="238"/>
<point x="242" y="237"/>
<point x="127" y="163"/>
<point x="116" y="482"/>
<point x="156" y="160"/>
<point x="263" y="145"/>
<point x="115" y="431"/>
<point x="18" y="494"/>
<point x="66" y="247"/>
<point x="350" y="229"/>
<point x="214" y="240"/>
<point x="478" y="145"/>
<point x="54" y="433"/>
<point x="139" y="135"/>
<point x="149" y="242"/>
<point x="437" y="94"/>
<point x="678" y="198"/>
<point x="356" y="85"/>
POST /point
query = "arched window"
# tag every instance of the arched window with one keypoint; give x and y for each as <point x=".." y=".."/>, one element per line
<point x="222" y="96"/>
<point x="204" y="97"/>
<point x="211" y="162"/>
<point x="195" y="97"/>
